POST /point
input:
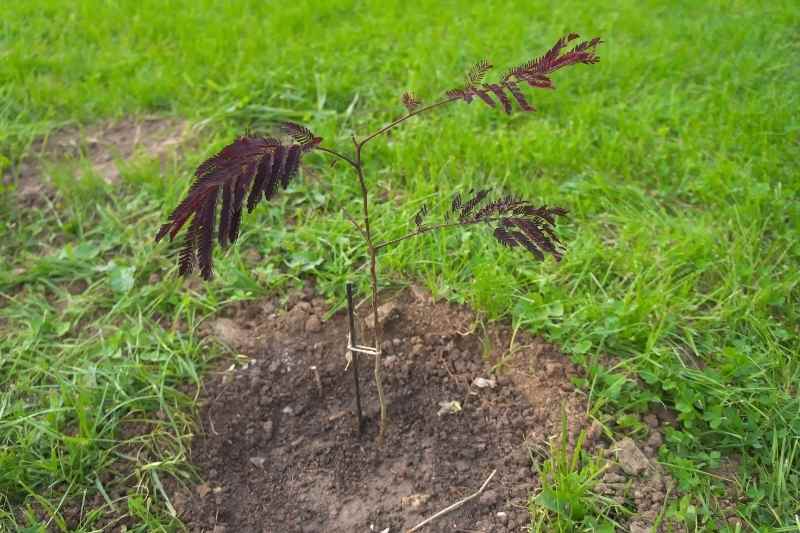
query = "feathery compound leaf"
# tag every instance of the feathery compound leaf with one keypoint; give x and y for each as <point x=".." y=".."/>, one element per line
<point x="262" y="162"/>
<point x="410" y="101"/>
<point x="456" y="203"/>
<point x="516" y="222"/>
<point x="498" y="92"/>
<point x="291" y="166"/>
<point x="261" y="181"/>
<point x="419" y="218"/>
<point x="301" y="135"/>
<point x="513" y="88"/>
<point x="467" y="208"/>
<point x="505" y="238"/>
<point x="477" y="73"/>
<point x="534" y="73"/>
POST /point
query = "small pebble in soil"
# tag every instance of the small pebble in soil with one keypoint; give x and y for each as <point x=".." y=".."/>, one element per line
<point x="258" y="461"/>
<point x="313" y="324"/>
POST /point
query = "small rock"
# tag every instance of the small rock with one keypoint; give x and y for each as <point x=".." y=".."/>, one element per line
<point x="651" y="420"/>
<point x="552" y="369"/>
<point x="594" y="432"/>
<point x="287" y="410"/>
<point x="482" y="383"/>
<point x="386" y="314"/>
<point x="390" y="362"/>
<point x="258" y="461"/>
<point x="631" y="458"/>
<point x="220" y="529"/>
<point x="640" y="527"/>
<point x="502" y="517"/>
<point x="268" y="307"/>
<point x="613" y="477"/>
<point x="414" y="501"/>
<point x="655" y="440"/>
<point x="313" y="324"/>
<point x="179" y="501"/>
<point x="451" y="407"/>
<point x="296" y="317"/>
<point x="203" y="490"/>
<point x="229" y="333"/>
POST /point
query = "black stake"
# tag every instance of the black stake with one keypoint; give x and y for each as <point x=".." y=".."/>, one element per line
<point x="354" y="354"/>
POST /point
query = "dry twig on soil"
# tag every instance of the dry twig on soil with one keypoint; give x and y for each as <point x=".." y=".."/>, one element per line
<point x="455" y="505"/>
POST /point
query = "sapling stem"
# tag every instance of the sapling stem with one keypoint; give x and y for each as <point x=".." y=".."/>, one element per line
<point x="354" y="355"/>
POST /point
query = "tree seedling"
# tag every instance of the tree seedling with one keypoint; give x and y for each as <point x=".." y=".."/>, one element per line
<point x="253" y="168"/>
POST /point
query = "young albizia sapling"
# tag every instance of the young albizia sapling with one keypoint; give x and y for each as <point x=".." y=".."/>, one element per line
<point x="252" y="168"/>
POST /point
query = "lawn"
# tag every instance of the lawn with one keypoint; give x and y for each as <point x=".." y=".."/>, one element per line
<point x="676" y="156"/>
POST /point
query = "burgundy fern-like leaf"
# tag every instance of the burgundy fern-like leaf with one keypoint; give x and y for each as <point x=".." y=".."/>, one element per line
<point x="225" y="215"/>
<point x="260" y="182"/>
<point x="291" y="166"/>
<point x="205" y="241"/>
<point x="410" y="102"/>
<point x="187" y="256"/>
<point x="498" y="92"/>
<point x="276" y="171"/>
<point x="505" y="238"/>
<point x="464" y="94"/>
<point x="301" y="135"/>
<point x="467" y="208"/>
<point x="534" y="73"/>
<point x="477" y="73"/>
<point x="255" y="163"/>
<point x="419" y="218"/>
<point x="499" y="207"/>
<point x="528" y="244"/>
<point x="514" y="89"/>
<point x="455" y="205"/>
<point x="483" y="95"/>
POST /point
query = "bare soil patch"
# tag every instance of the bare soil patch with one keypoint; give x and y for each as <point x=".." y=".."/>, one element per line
<point x="103" y="145"/>
<point x="279" y="450"/>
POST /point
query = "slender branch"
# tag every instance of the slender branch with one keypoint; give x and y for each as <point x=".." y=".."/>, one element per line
<point x="374" y="283"/>
<point x="337" y="154"/>
<point x="455" y="505"/>
<point x="391" y="125"/>
<point x="354" y="223"/>
<point x="426" y="229"/>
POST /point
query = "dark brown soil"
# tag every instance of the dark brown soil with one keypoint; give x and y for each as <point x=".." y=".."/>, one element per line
<point x="279" y="450"/>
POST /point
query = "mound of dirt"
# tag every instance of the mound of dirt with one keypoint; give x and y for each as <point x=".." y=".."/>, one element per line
<point x="279" y="449"/>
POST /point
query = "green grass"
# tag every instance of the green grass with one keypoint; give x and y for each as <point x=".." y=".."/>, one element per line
<point x="676" y="156"/>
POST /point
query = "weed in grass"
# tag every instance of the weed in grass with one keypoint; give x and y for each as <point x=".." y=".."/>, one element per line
<point x="565" y="500"/>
